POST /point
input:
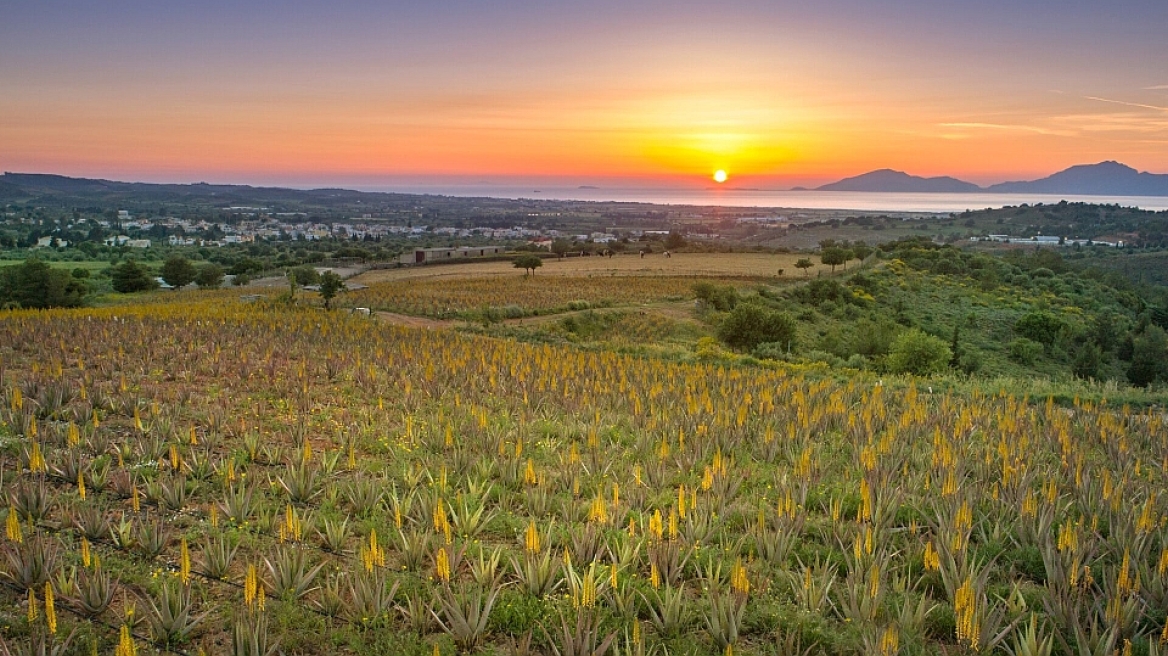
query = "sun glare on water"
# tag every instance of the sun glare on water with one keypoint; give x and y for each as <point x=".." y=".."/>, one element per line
<point x="720" y="176"/>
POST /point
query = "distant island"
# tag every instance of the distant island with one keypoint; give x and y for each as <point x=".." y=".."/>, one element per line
<point x="897" y="181"/>
<point x="1102" y="179"/>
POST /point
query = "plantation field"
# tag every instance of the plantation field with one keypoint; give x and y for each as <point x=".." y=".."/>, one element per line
<point x="756" y="266"/>
<point x="210" y="476"/>
<point x="517" y="296"/>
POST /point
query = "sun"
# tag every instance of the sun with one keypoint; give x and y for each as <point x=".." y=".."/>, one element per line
<point x="720" y="176"/>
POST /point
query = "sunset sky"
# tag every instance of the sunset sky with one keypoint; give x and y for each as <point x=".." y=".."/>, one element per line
<point x="307" y="92"/>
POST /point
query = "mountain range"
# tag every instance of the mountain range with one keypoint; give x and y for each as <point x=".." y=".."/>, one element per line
<point x="1102" y="179"/>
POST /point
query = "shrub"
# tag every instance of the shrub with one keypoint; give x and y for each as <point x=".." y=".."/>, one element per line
<point x="918" y="353"/>
<point x="722" y="298"/>
<point x="749" y="325"/>
<point x="1041" y="327"/>
<point x="1025" y="351"/>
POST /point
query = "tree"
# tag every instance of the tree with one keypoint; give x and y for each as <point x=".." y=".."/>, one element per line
<point x="209" y="276"/>
<point x="750" y="324"/>
<point x="561" y="246"/>
<point x="178" y="272"/>
<point x="915" y="352"/>
<point x="330" y="285"/>
<point x="129" y="277"/>
<point x="1149" y="357"/>
<point x="529" y="263"/>
<point x="833" y="257"/>
<point x="674" y="241"/>
<point x="805" y="264"/>
<point x="34" y="284"/>
<point x="303" y="276"/>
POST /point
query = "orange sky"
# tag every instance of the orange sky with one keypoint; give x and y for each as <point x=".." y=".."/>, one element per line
<point x="526" y="91"/>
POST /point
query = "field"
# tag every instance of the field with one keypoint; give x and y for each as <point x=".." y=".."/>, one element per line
<point x="496" y="290"/>
<point x="697" y="265"/>
<point x="200" y="475"/>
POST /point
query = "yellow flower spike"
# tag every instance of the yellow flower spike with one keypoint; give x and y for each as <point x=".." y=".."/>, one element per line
<point x="12" y="524"/>
<point x="442" y="565"/>
<point x="184" y="563"/>
<point x="126" y="646"/>
<point x="50" y="609"/>
<point x="81" y="485"/>
<point x="36" y="461"/>
<point x="135" y="502"/>
<point x="33" y="607"/>
<point x="249" y="586"/>
<point x="85" y="555"/>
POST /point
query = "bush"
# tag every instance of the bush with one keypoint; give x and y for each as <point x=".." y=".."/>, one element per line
<point x="1025" y="351"/>
<point x="915" y="352"/>
<point x="770" y="351"/>
<point x="749" y="325"/>
<point x="872" y="338"/>
<point x="1041" y="327"/>
<point x="722" y="298"/>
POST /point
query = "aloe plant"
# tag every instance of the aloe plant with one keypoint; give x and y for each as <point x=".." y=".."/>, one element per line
<point x="172" y="619"/>
<point x="95" y="592"/>
<point x="31" y="563"/>
<point x="580" y="637"/>
<point x="218" y="554"/>
<point x="464" y="613"/>
<point x="291" y="574"/>
<point x="251" y="636"/>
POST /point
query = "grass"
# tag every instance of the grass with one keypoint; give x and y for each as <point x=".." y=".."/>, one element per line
<point x="92" y="266"/>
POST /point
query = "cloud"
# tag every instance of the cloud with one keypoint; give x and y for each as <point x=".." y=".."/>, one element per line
<point x="1120" y="122"/>
<point x="1003" y="127"/>
<point x="1128" y="104"/>
<point x="1158" y="87"/>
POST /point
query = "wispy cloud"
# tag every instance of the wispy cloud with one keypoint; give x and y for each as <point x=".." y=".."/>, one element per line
<point x="1128" y="104"/>
<point x="1119" y="122"/>
<point x="1158" y="87"/>
<point x="1006" y="127"/>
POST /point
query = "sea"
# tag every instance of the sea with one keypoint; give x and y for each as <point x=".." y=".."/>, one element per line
<point x="888" y="202"/>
